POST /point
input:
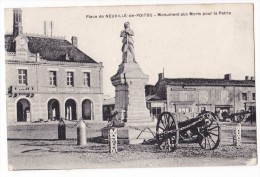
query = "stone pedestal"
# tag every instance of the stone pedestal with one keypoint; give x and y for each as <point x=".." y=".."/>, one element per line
<point x="129" y="82"/>
<point x="130" y="102"/>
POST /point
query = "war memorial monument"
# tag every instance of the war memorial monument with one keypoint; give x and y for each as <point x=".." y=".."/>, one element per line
<point x="130" y="105"/>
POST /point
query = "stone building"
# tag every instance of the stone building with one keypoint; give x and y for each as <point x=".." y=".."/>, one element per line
<point x="191" y="96"/>
<point x="49" y="77"/>
<point x="108" y="108"/>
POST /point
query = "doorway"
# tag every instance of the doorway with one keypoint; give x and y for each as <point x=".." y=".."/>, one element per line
<point x="87" y="109"/>
<point x="23" y="110"/>
<point x="70" y="110"/>
<point x="53" y="110"/>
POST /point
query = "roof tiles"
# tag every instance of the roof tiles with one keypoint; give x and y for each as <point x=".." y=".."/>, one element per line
<point x="52" y="49"/>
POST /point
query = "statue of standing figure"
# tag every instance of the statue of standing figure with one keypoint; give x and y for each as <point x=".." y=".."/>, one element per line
<point x="128" y="44"/>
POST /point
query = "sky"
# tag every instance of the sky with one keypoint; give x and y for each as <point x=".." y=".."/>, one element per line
<point x="190" y="46"/>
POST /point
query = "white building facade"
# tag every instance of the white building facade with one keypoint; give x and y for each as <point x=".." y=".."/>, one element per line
<point x="48" y="78"/>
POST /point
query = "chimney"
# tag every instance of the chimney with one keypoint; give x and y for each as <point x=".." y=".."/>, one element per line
<point x="247" y="78"/>
<point x="74" y="41"/>
<point x="17" y="22"/>
<point x="227" y="77"/>
<point x="252" y="78"/>
<point x="160" y="76"/>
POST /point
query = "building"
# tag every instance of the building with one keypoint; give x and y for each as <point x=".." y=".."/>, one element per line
<point x="48" y="77"/>
<point x="108" y="108"/>
<point x="156" y="105"/>
<point x="191" y="96"/>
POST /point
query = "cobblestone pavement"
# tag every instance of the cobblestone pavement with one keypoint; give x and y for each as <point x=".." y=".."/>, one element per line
<point x="36" y="147"/>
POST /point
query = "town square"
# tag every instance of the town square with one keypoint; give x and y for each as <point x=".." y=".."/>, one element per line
<point x="131" y="90"/>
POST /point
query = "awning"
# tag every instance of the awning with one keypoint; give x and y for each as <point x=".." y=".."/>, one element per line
<point x="249" y="104"/>
<point x="202" y="104"/>
<point x="224" y="106"/>
<point x="182" y="102"/>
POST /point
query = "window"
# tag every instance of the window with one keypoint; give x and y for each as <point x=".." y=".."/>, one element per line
<point x="86" y="79"/>
<point x="53" y="78"/>
<point x="183" y="110"/>
<point x="252" y="109"/>
<point x="202" y="109"/>
<point x="156" y="111"/>
<point x="253" y="96"/>
<point x="244" y="96"/>
<point x="22" y="76"/>
<point x="70" y="79"/>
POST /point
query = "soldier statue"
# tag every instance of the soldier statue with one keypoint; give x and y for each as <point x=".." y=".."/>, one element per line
<point x="128" y="44"/>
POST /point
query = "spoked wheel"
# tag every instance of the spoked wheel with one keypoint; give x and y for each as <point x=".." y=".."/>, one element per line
<point x="167" y="136"/>
<point x="210" y="133"/>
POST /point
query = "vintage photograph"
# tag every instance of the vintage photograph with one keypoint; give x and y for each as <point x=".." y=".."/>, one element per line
<point x="144" y="86"/>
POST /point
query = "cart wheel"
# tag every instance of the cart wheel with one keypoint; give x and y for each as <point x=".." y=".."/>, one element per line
<point x="167" y="136"/>
<point x="210" y="133"/>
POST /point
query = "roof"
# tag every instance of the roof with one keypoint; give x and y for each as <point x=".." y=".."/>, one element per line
<point x="208" y="82"/>
<point x="154" y="98"/>
<point x="52" y="49"/>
